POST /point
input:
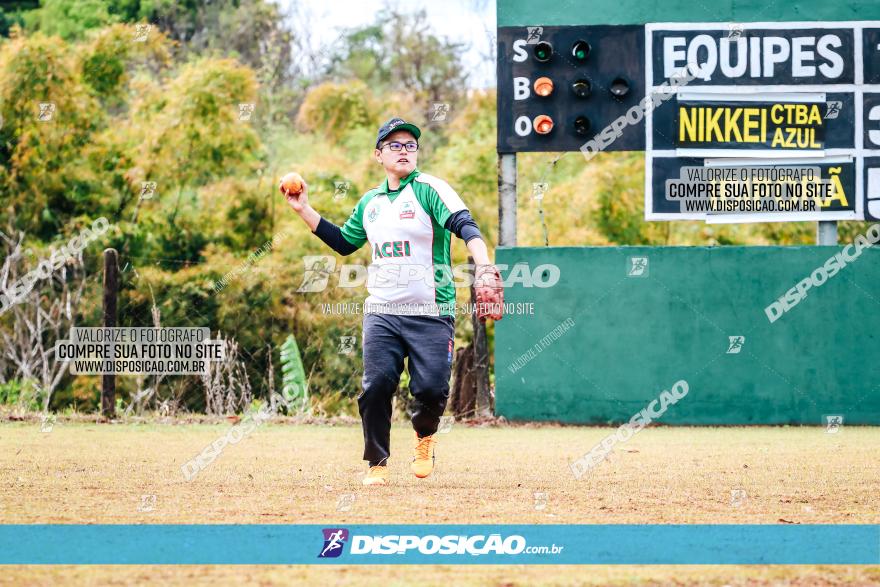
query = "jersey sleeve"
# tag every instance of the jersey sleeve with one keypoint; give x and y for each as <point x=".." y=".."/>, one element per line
<point x="353" y="229"/>
<point x="332" y="237"/>
<point x="462" y="225"/>
<point x="439" y="199"/>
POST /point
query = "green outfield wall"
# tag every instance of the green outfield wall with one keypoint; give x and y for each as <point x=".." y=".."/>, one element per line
<point x="602" y="343"/>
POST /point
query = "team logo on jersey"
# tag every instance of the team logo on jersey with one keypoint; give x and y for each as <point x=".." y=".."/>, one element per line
<point x="373" y="214"/>
<point x="407" y="210"/>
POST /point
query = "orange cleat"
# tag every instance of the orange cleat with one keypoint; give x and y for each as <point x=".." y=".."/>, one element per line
<point x="423" y="457"/>
<point x="378" y="475"/>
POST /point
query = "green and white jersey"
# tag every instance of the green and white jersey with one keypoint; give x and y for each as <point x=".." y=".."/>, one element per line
<point x="411" y="269"/>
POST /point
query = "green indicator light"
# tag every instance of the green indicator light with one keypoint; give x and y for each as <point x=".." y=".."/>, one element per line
<point x="580" y="50"/>
<point x="543" y="51"/>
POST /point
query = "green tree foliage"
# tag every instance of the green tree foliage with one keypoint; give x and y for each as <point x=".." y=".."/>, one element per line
<point x="12" y="14"/>
<point x="336" y="108"/>
<point x="241" y="214"/>
<point x="253" y="32"/>
<point x="70" y="19"/>
<point x="620" y="215"/>
<point x="19" y="393"/>
<point x="193" y="123"/>
<point x="398" y="53"/>
<point x="112" y="56"/>
<point x="39" y="172"/>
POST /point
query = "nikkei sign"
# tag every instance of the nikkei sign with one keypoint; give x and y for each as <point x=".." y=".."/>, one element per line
<point x="777" y="111"/>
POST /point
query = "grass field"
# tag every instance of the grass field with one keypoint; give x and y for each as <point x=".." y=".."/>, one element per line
<point x="88" y="473"/>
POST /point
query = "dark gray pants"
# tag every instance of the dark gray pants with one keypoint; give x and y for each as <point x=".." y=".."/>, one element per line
<point x="428" y="342"/>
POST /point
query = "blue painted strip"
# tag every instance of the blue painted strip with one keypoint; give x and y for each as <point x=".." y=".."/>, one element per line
<point x="465" y="544"/>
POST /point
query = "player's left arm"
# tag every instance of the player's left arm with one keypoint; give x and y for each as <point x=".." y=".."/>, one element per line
<point x="478" y="251"/>
<point x="449" y="211"/>
<point x="462" y="225"/>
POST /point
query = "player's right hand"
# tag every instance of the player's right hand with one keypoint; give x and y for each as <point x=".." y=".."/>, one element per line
<point x="297" y="201"/>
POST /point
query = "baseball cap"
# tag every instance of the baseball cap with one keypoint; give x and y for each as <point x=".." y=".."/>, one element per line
<point x="396" y="124"/>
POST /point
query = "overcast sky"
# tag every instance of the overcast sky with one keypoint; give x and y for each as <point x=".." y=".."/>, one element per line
<point x="458" y="20"/>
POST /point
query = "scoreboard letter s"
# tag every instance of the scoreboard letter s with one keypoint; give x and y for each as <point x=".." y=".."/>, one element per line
<point x="519" y="51"/>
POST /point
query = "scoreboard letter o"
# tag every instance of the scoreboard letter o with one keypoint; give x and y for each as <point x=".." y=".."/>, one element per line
<point x="523" y="126"/>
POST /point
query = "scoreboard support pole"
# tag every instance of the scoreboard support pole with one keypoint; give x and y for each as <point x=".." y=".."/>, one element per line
<point x="111" y="295"/>
<point x="826" y="232"/>
<point x="506" y="238"/>
<point x="506" y="199"/>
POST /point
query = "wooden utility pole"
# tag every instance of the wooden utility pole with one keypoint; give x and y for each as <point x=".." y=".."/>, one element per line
<point x="111" y="293"/>
<point x="483" y="407"/>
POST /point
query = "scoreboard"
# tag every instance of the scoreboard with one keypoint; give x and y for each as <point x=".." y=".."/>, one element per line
<point x="558" y="86"/>
<point x="793" y="95"/>
<point x="764" y="99"/>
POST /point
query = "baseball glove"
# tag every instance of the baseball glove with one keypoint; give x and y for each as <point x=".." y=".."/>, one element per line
<point x="489" y="293"/>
